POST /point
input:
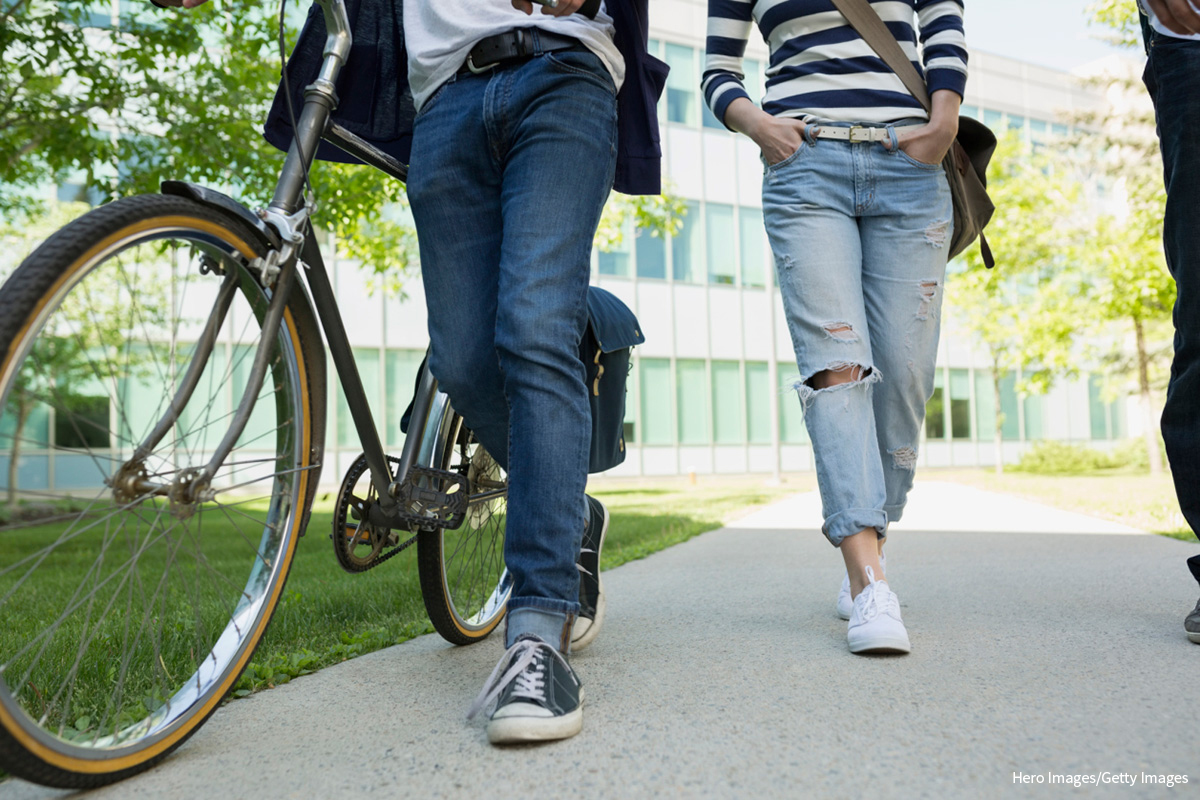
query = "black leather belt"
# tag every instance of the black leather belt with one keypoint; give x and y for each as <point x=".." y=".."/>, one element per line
<point x="513" y="47"/>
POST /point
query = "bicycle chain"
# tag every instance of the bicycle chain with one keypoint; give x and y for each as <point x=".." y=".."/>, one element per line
<point x="341" y="517"/>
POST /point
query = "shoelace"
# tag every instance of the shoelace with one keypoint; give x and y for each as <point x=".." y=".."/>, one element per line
<point x="527" y="668"/>
<point x="873" y="604"/>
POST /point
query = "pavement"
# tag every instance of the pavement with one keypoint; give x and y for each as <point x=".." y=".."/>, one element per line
<point x="1045" y="644"/>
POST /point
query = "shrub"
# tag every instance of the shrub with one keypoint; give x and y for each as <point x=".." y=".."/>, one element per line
<point x="1060" y="458"/>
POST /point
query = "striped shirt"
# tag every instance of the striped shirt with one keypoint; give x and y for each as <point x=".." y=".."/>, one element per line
<point x="820" y="67"/>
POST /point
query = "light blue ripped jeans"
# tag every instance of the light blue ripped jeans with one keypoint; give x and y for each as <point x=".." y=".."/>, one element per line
<point x="860" y="236"/>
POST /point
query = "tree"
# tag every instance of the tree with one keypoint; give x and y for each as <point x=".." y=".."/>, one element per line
<point x="1130" y="284"/>
<point x="1026" y="311"/>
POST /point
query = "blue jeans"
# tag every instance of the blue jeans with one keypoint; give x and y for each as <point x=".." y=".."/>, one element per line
<point x="1173" y="77"/>
<point x="860" y="236"/>
<point x="510" y="170"/>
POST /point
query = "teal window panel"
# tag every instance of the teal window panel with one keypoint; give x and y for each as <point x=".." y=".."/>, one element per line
<point x="752" y="242"/>
<point x="935" y="409"/>
<point x="719" y="235"/>
<point x="692" y="401"/>
<point x="367" y="361"/>
<point x="651" y="255"/>
<point x="960" y="404"/>
<point x="658" y="419"/>
<point x="683" y="85"/>
<point x="400" y="374"/>
<point x="686" y="251"/>
<point x="758" y="403"/>
<point x="791" y="414"/>
<point x="728" y="417"/>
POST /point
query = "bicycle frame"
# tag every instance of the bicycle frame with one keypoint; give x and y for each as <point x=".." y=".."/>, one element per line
<point x="288" y="215"/>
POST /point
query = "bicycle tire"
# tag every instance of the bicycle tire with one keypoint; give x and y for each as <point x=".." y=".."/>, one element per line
<point x="138" y="656"/>
<point x="464" y="583"/>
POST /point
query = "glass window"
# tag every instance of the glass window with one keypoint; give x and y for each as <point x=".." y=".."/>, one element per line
<point x="653" y="48"/>
<point x="616" y="261"/>
<point x="1016" y="123"/>
<point x="685" y="247"/>
<point x="401" y="368"/>
<point x="367" y="361"/>
<point x="682" y="85"/>
<point x="960" y="404"/>
<point x="34" y="435"/>
<point x="791" y="414"/>
<point x="758" y="403"/>
<point x="969" y="111"/>
<point x="658" y="419"/>
<point x="1059" y="129"/>
<point x="935" y="409"/>
<point x="1039" y="129"/>
<point x="985" y="406"/>
<point x="752" y="242"/>
<point x="727" y="403"/>
<point x="261" y="424"/>
<point x="722" y="255"/>
<point x="1098" y="412"/>
<point x="1033" y="417"/>
<point x="1116" y="420"/>
<point x="651" y="255"/>
<point x="692" y="402"/>
<point x="992" y="118"/>
<point x="754" y="79"/>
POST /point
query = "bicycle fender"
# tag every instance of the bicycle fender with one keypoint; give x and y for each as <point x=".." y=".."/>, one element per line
<point x="223" y="202"/>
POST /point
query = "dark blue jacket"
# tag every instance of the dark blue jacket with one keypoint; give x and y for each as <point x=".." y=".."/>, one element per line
<point x="376" y="104"/>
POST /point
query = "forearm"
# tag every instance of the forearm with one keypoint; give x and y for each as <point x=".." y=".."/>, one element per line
<point x="745" y="117"/>
<point x="944" y="116"/>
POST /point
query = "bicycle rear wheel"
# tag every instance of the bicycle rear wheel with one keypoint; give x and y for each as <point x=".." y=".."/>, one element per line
<point x="464" y="583"/>
<point x="131" y="597"/>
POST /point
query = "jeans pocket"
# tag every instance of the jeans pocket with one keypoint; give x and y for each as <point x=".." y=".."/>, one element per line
<point x="433" y="98"/>
<point x="778" y="165"/>
<point x="583" y="63"/>
<point x="918" y="164"/>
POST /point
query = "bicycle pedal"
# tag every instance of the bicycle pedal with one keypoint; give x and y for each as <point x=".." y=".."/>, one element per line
<point x="436" y="496"/>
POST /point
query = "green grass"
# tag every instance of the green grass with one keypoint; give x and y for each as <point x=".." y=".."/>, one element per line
<point x="1129" y="497"/>
<point x="325" y="616"/>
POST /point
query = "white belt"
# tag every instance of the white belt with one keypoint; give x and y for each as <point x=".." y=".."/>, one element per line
<point x="859" y="133"/>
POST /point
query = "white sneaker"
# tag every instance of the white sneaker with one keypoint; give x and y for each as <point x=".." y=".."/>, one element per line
<point x="875" y="624"/>
<point x="845" y="603"/>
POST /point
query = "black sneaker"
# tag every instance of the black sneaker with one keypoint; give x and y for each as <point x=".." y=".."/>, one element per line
<point x="1192" y="624"/>
<point x="538" y="698"/>
<point x="591" y="588"/>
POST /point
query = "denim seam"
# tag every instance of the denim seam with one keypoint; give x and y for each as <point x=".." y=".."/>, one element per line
<point x="557" y="63"/>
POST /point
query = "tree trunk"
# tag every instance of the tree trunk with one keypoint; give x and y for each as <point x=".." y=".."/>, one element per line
<point x="1151" y="423"/>
<point x="999" y="419"/>
<point x="14" y="456"/>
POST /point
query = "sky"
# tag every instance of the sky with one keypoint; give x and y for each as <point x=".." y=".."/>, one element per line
<point x="1053" y="33"/>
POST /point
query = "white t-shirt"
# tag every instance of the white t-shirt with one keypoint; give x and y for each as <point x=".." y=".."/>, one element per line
<point x="1158" y="26"/>
<point x="440" y="33"/>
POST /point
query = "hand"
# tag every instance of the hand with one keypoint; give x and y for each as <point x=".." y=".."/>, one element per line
<point x="563" y="9"/>
<point x="1179" y="16"/>
<point x="928" y="143"/>
<point x="777" y="137"/>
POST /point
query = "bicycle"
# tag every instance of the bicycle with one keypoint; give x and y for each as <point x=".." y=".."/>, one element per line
<point x="182" y="452"/>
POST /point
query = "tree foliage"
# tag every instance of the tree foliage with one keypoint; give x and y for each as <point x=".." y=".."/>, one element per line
<point x="1120" y="17"/>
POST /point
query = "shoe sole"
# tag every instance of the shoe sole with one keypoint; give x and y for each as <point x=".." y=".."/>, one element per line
<point x="515" y="730"/>
<point x="881" y="645"/>
<point x="585" y="631"/>
<point x="1195" y="637"/>
<point x="844" y="614"/>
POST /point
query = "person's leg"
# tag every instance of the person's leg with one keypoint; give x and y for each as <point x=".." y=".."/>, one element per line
<point x="1173" y="77"/>
<point x="905" y="239"/>
<point x="818" y="261"/>
<point x="555" y="132"/>
<point x="454" y="190"/>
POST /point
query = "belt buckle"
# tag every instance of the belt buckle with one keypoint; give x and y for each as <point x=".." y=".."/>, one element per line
<point x="478" y="70"/>
<point x="857" y="131"/>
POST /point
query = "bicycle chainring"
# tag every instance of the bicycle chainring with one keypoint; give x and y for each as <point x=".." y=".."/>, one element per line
<point x="358" y="544"/>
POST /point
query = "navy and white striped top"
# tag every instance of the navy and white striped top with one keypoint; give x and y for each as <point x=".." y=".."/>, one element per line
<point x="821" y="68"/>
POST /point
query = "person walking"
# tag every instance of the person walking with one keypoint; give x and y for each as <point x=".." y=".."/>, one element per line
<point x="1171" y="34"/>
<point x="513" y="121"/>
<point x="859" y="215"/>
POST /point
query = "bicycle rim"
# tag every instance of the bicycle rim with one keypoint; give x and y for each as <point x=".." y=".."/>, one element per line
<point x="128" y="608"/>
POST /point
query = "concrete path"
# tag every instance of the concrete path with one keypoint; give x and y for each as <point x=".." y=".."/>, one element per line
<point x="722" y="671"/>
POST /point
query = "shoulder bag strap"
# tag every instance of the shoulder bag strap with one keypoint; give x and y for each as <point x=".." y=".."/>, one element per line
<point x="874" y="32"/>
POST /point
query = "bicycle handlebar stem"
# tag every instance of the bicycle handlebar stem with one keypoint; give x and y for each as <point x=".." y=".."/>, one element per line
<point x="320" y="99"/>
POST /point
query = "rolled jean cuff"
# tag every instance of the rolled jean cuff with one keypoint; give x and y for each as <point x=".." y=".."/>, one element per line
<point x="552" y="627"/>
<point x="851" y="521"/>
<point x="894" y="513"/>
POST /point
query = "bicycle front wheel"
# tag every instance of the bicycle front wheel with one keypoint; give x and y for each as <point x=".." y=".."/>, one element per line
<point x="132" y="594"/>
<point x="464" y="582"/>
